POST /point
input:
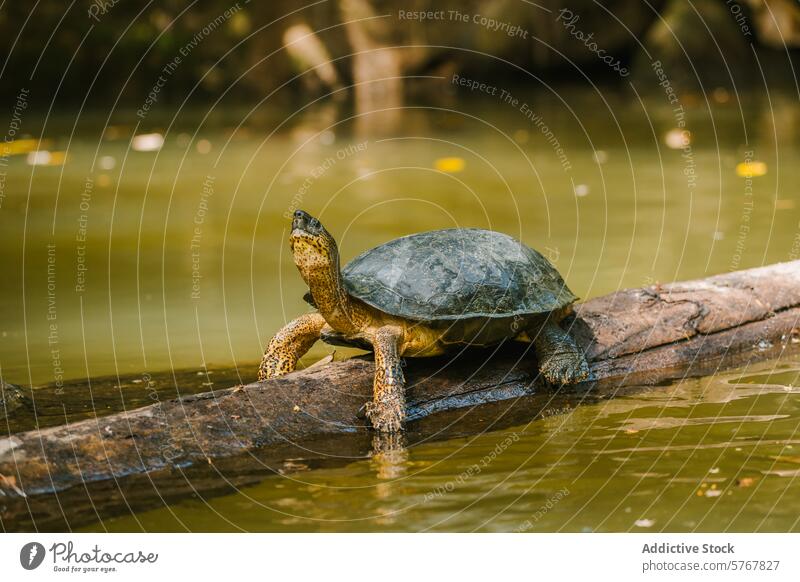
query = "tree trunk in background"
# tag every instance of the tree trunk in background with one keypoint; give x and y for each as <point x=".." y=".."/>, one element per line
<point x="376" y="69"/>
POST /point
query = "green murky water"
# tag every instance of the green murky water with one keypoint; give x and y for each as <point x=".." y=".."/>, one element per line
<point x="716" y="454"/>
<point x="126" y="262"/>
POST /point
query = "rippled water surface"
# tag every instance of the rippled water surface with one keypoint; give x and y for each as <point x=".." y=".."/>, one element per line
<point x="185" y="264"/>
<point x="714" y="454"/>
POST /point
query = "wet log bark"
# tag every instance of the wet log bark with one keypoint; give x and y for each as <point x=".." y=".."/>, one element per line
<point x="633" y="339"/>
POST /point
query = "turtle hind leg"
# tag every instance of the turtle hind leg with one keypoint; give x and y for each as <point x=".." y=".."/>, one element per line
<point x="387" y="411"/>
<point x="560" y="360"/>
<point x="289" y="345"/>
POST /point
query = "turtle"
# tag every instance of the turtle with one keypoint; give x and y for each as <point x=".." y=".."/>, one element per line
<point x="422" y="295"/>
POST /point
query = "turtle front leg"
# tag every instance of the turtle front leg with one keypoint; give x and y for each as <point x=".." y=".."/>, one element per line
<point x="560" y="360"/>
<point x="387" y="411"/>
<point x="289" y="345"/>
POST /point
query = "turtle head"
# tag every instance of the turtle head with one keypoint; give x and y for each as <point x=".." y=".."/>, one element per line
<point x="313" y="247"/>
<point x="317" y="258"/>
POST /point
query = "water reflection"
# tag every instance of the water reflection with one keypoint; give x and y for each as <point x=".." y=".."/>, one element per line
<point x="621" y="216"/>
<point x="708" y="455"/>
<point x="186" y="266"/>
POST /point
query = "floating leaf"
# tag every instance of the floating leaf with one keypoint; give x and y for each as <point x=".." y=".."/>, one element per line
<point x="18" y="146"/>
<point x="581" y="190"/>
<point x="46" y="158"/>
<point x="147" y="142"/>
<point x="677" y="139"/>
<point x="751" y="169"/>
<point x="450" y="165"/>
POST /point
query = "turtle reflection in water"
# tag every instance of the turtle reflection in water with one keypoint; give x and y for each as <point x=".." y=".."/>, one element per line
<point x="424" y="295"/>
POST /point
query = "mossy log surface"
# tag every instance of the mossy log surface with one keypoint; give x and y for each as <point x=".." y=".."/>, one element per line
<point x="213" y="441"/>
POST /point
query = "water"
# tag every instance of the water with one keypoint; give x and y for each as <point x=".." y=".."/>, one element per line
<point x="715" y="454"/>
<point x="187" y="266"/>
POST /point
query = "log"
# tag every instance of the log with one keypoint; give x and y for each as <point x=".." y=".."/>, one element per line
<point x="634" y="339"/>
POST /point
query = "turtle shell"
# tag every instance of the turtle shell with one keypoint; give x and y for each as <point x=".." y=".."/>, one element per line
<point x="454" y="274"/>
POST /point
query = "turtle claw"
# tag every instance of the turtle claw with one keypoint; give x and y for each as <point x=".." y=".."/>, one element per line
<point x="386" y="417"/>
<point x="564" y="369"/>
<point x="267" y="371"/>
<point x="273" y="368"/>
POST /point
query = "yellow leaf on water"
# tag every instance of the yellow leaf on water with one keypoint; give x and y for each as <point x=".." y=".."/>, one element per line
<point x="18" y="146"/>
<point x="450" y="165"/>
<point x="57" y="158"/>
<point x="751" y="169"/>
